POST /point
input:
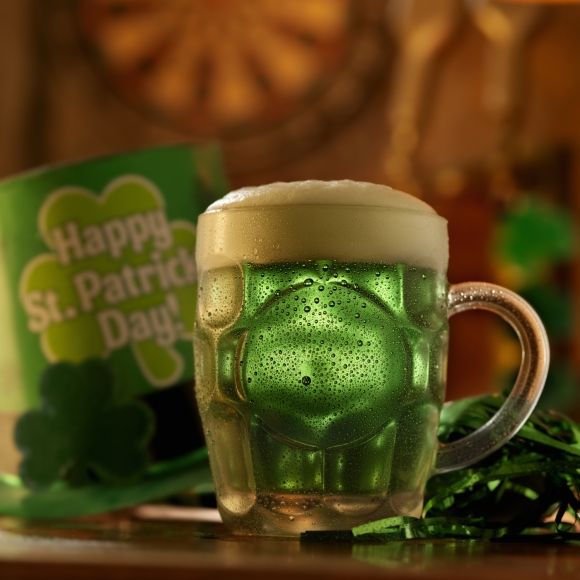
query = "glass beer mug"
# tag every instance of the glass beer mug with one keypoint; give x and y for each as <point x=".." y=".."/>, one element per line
<point x="321" y="345"/>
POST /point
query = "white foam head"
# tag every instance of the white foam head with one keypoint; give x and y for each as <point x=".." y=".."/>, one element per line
<point x="307" y="220"/>
<point x="345" y="192"/>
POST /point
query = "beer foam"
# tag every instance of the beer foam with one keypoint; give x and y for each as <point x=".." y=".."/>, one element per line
<point x="314" y="220"/>
<point x="312" y="192"/>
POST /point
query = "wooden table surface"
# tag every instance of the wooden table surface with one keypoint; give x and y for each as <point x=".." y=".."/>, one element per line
<point x="123" y="546"/>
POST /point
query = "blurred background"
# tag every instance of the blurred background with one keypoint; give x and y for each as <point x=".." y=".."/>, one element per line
<point x="472" y="105"/>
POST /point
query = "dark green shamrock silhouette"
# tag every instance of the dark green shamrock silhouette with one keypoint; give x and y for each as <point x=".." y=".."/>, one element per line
<point x="81" y="433"/>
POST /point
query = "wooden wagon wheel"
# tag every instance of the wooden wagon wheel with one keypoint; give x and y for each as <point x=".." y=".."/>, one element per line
<point x="269" y="78"/>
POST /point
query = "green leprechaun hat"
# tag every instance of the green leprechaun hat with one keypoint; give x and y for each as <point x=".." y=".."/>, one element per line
<point x="97" y="297"/>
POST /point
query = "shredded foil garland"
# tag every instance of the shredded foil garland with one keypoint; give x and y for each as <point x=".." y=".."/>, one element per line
<point x="528" y="490"/>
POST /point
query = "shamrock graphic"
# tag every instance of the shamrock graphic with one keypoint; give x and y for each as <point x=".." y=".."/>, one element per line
<point x="119" y="277"/>
<point x="81" y="433"/>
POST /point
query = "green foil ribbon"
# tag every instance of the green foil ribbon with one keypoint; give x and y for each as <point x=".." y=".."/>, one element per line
<point x="190" y="472"/>
<point x="522" y="492"/>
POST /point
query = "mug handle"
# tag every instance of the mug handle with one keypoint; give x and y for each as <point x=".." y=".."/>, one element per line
<point x="529" y="383"/>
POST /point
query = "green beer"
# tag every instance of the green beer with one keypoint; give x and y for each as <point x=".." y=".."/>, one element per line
<point x="320" y="345"/>
<point x="328" y="386"/>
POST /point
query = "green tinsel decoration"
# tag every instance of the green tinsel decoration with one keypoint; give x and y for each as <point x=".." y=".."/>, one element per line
<point x="508" y="496"/>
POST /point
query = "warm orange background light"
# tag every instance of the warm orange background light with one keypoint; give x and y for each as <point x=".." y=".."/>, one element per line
<point x="542" y="1"/>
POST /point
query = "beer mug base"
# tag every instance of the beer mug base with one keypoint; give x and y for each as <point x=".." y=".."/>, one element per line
<point x="292" y="514"/>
